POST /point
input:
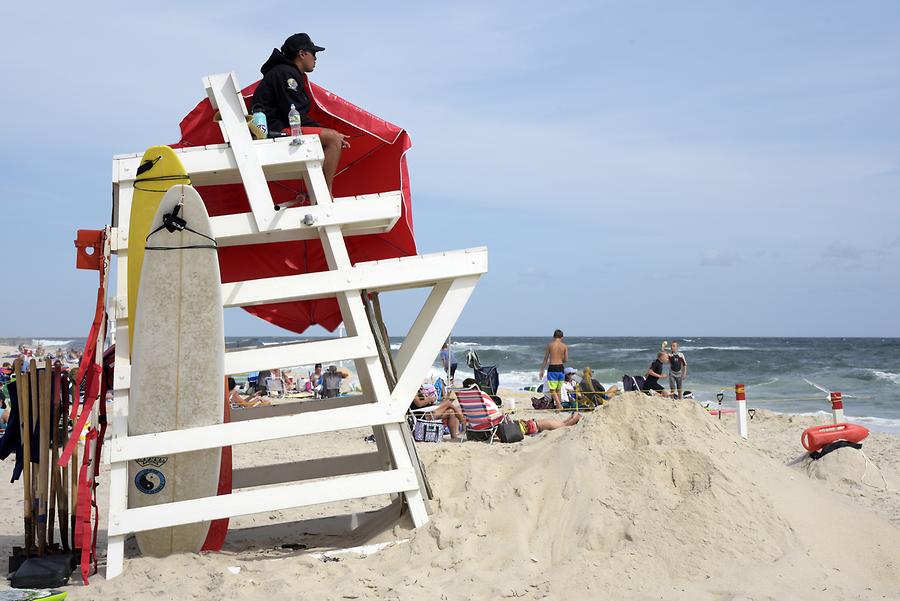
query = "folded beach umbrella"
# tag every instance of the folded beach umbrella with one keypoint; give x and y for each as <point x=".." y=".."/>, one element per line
<point x="374" y="163"/>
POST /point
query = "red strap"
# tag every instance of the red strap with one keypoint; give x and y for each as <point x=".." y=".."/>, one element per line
<point x="90" y="397"/>
<point x="86" y="490"/>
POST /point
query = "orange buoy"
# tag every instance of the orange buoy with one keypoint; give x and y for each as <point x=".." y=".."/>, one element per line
<point x="813" y="439"/>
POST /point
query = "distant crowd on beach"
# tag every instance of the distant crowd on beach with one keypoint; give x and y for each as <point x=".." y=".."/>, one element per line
<point x="66" y="358"/>
<point x="475" y="406"/>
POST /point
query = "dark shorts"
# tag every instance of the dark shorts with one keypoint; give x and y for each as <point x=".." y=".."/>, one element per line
<point x="651" y="386"/>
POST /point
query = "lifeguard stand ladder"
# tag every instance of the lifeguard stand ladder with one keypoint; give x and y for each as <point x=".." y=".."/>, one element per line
<point x="393" y="469"/>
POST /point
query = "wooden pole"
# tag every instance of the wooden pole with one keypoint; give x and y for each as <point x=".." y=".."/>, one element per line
<point x="35" y="393"/>
<point x="44" y="456"/>
<point x="24" y="396"/>
<point x="383" y="345"/>
<point x="54" y="454"/>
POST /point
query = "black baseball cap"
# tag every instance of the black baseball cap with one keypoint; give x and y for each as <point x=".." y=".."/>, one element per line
<point x="298" y="42"/>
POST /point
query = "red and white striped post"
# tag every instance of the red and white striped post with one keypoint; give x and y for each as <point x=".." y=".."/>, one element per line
<point x="837" y="407"/>
<point x="741" y="398"/>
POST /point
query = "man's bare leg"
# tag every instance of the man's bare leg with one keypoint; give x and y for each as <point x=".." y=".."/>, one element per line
<point x="332" y="143"/>
<point x="555" y="424"/>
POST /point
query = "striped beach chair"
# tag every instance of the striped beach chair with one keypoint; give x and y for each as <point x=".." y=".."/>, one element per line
<point x="482" y="415"/>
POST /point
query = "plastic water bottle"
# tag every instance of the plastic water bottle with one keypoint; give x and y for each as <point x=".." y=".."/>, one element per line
<point x="294" y="120"/>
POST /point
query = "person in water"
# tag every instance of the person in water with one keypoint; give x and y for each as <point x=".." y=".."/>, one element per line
<point x="677" y="371"/>
<point x="284" y="84"/>
<point x="555" y="358"/>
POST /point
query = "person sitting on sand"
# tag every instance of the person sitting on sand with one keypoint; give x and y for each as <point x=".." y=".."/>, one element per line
<point x="589" y="388"/>
<point x="528" y="426"/>
<point x="238" y="400"/>
<point x="447" y="410"/>
<point x="654" y="373"/>
<point x="569" y="387"/>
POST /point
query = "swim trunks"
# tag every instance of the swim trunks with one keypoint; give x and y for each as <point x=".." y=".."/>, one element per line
<point x="556" y="373"/>
<point x="528" y="426"/>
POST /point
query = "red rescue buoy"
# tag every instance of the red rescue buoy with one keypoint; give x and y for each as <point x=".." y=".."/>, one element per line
<point x="813" y="439"/>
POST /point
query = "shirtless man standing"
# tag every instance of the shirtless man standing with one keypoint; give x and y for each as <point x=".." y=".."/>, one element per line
<point x="555" y="359"/>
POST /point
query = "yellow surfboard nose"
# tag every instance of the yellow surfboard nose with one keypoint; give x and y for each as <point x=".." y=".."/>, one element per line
<point x="160" y="169"/>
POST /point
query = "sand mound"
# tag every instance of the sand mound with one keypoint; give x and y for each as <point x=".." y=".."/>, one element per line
<point x="646" y="488"/>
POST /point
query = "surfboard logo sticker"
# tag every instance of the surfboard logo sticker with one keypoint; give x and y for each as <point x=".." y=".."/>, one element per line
<point x="154" y="461"/>
<point x="150" y="481"/>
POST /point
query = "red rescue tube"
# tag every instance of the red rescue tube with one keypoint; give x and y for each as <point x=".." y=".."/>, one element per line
<point x="813" y="439"/>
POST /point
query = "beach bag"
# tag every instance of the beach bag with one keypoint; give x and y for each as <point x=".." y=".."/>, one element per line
<point x="427" y="431"/>
<point x="542" y="402"/>
<point x="632" y="383"/>
<point x="509" y="431"/>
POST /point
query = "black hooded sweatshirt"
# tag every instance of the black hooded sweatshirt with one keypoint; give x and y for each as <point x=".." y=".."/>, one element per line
<point x="282" y="85"/>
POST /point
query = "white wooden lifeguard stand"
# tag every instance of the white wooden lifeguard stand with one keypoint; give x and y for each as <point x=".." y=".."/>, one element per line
<point x="393" y="469"/>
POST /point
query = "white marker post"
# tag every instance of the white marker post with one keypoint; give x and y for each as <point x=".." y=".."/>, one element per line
<point x="837" y="407"/>
<point x="741" y="399"/>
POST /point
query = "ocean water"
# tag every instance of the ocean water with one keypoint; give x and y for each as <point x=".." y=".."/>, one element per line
<point x="774" y="370"/>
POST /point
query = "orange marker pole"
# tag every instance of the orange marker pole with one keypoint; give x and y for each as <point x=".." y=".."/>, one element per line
<point x="837" y="407"/>
<point x="741" y="398"/>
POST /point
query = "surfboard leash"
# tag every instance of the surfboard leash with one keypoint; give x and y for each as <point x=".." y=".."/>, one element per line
<point x="173" y="223"/>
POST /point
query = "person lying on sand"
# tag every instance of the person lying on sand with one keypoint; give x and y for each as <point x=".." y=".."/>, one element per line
<point x="447" y="410"/>
<point x="238" y="400"/>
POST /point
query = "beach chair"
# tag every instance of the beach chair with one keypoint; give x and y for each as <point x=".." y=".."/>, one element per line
<point x="416" y="416"/>
<point x="274" y="387"/>
<point x="479" y="418"/>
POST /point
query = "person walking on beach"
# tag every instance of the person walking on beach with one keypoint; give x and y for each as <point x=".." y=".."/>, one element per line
<point x="555" y="358"/>
<point x="284" y="84"/>
<point x="654" y="373"/>
<point x="677" y="371"/>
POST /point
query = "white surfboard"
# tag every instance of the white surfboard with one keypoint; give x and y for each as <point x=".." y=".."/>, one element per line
<point x="177" y="366"/>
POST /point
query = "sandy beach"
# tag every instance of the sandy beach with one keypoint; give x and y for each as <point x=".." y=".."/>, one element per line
<point x="646" y="498"/>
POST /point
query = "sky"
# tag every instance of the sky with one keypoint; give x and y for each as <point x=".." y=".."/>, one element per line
<point x="634" y="168"/>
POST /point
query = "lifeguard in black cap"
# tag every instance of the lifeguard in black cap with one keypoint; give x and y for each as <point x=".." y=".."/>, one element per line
<point x="284" y="84"/>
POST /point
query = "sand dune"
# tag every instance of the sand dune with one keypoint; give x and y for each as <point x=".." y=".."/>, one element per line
<point x="644" y="499"/>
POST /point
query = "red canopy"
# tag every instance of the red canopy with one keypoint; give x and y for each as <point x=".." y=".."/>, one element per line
<point x="375" y="162"/>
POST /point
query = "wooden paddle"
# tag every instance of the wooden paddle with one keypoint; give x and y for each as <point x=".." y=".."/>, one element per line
<point x="35" y="393"/>
<point x="54" y="454"/>
<point x="22" y="388"/>
<point x="44" y="457"/>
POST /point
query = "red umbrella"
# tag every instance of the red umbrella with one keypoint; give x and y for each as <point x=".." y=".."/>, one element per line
<point x="374" y="163"/>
